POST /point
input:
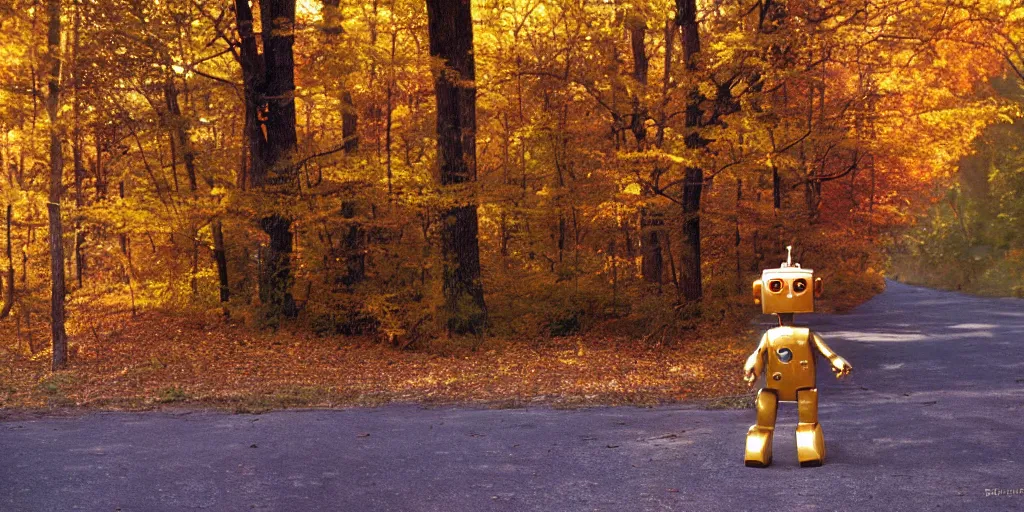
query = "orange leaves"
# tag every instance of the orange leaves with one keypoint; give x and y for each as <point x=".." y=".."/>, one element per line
<point x="139" y="365"/>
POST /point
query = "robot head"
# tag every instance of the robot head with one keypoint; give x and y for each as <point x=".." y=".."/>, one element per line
<point x="787" y="289"/>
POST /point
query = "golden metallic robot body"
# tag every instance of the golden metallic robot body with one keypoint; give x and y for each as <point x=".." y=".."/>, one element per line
<point x="790" y="361"/>
<point x="786" y="357"/>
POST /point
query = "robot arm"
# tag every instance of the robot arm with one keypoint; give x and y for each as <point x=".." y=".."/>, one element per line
<point x="755" y="362"/>
<point x="839" y="365"/>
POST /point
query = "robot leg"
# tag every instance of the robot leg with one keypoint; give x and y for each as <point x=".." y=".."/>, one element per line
<point x="810" y="444"/>
<point x="759" y="437"/>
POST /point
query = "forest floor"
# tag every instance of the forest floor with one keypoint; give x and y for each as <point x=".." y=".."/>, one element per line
<point x="928" y="420"/>
<point x="157" y="359"/>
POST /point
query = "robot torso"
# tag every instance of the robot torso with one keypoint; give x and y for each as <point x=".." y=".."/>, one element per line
<point x="789" y="361"/>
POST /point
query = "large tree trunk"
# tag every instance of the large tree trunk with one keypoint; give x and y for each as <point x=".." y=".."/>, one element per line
<point x="278" y="19"/>
<point x="253" y="166"/>
<point x="450" y="24"/>
<point x="693" y="184"/>
<point x="252" y="84"/>
<point x="57" y="287"/>
<point x="269" y="83"/>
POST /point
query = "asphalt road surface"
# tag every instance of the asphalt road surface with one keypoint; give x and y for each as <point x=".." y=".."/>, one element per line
<point x="931" y="419"/>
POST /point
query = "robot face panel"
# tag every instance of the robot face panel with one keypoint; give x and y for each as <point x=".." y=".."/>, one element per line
<point x="786" y="290"/>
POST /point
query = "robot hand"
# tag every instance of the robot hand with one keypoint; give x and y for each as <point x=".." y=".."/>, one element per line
<point x="840" y="367"/>
<point x="749" y="377"/>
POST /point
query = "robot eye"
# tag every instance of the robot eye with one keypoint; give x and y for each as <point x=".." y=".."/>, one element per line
<point x="799" y="285"/>
<point x="775" y="285"/>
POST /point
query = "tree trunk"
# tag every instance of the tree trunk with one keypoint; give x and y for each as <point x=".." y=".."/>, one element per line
<point x="269" y="83"/>
<point x="349" y="123"/>
<point x="77" y="149"/>
<point x="637" y="33"/>
<point x="101" y="182"/>
<point x="776" y="188"/>
<point x="355" y="257"/>
<point x="737" y="240"/>
<point x="180" y="133"/>
<point x="9" y="293"/>
<point x="652" y="261"/>
<point x="332" y="18"/>
<point x="450" y="24"/>
<point x="181" y="136"/>
<point x="252" y="84"/>
<point x="123" y="242"/>
<point x="79" y="231"/>
<point x="693" y="184"/>
<point x="651" y="221"/>
<point x="179" y="130"/>
<point x="220" y="256"/>
<point x="692" y="281"/>
<point x="353" y="233"/>
<point x="57" y="288"/>
<point x="275" y="274"/>
<point x="278" y="19"/>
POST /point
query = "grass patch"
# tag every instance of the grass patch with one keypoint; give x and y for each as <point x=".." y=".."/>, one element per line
<point x="171" y="394"/>
<point x="55" y="383"/>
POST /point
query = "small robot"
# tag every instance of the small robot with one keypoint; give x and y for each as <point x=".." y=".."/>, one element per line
<point x="786" y="356"/>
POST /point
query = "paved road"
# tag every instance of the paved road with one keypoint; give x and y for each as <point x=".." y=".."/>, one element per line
<point x="931" y="418"/>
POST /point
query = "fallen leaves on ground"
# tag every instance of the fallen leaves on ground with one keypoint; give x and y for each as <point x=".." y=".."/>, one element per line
<point x="158" y="358"/>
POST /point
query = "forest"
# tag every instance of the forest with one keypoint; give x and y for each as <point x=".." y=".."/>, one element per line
<point x="229" y="187"/>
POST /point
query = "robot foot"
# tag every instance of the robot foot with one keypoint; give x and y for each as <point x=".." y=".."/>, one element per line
<point x="810" y="445"/>
<point x="759" y="447"/>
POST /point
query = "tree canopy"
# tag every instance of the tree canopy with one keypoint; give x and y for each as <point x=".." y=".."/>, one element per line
<point x="637" y="159"/>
